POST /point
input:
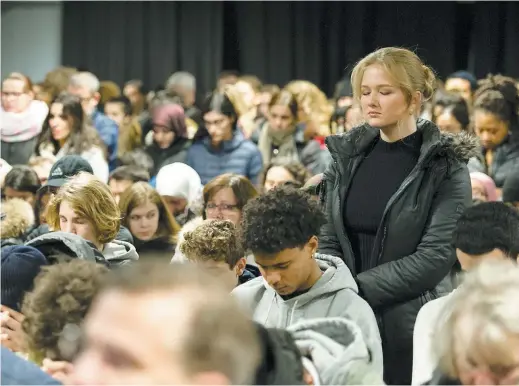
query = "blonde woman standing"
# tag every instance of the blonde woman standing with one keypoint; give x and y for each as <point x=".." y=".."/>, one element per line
<point x="393" y="193"/>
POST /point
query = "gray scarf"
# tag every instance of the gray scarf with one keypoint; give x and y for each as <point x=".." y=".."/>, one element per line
<point x="283" y="140"/>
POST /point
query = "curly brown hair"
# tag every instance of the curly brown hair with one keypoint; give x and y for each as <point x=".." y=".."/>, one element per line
<point x="61" y="298"/>
<point x="215" y="240"/>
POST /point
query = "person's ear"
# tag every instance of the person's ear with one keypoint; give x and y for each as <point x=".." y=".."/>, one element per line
<point x="312" y="245"/>
<point x="240" y="266"/>
<point x="96" y="97"/>
<point x="414" y="106"/>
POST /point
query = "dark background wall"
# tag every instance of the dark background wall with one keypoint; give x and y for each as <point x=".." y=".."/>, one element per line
<point x="279" y="41"/>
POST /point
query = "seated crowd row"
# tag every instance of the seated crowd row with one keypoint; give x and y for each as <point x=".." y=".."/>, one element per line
<point x="344" y="259"/>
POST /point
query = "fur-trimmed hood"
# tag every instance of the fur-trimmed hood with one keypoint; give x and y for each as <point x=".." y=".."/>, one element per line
<point x="460" y="147"/>
<point x="17" y="218"/>
<point x="337" y="349"/>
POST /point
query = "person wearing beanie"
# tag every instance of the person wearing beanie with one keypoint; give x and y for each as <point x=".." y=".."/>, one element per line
<point x="463" y="83"/>
<point x="17" y="218"/>
<point x="511" y="188"/>
<point x="483" y="187"/>
<point x="20" y="265"/>
<point x="180" y="187"/>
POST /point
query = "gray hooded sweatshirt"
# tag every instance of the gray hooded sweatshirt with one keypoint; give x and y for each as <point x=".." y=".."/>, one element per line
<point x="119" y="253"/>
<point x="338" y="351"/>
<point x="335" y="294"/>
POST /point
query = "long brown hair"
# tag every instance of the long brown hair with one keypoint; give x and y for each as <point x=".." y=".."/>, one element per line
<point x="82" y="136"/>
<point x="140" y="193"/>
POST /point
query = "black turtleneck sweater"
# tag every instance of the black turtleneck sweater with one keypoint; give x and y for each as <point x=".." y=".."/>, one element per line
<point x="377" y="178"/>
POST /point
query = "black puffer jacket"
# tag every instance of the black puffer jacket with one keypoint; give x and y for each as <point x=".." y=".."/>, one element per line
<point x="506" y="158"/>
<point x="412" y="254"/>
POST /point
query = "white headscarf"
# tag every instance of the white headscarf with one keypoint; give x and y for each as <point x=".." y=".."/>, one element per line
<point x="179" y="180"/>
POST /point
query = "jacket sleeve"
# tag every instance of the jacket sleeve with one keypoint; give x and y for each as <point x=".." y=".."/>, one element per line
<point x="410" y="276"/>
<point x="255" y="167"/>
<point x="328" y="241"/>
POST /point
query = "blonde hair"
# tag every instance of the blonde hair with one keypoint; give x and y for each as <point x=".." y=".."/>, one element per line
<point x="141" y="193"/>
<point x="309" y="94"/>
<point x="486" y="308"/>
<point x="91" y="199"/>
<point x="404" y="66"/>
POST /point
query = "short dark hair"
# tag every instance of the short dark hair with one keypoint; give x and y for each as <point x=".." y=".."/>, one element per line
<point x="487" y="226"/>
<point x="280" y="219"/>
<point x="455" y="105"/>
<point x="23" y="179"/>
<point x="127" y="105"/>
<point x="139" y="158"/>
<point x="130" y="173"/>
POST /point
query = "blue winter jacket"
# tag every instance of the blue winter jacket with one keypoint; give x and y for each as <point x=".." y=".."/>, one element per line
<point x="239" y="155"/>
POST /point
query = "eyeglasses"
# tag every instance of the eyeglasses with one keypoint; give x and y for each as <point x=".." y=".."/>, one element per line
<point x="222" y="207"/>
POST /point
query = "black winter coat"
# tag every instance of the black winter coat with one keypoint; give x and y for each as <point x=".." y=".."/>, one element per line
<point x="412" y="252"/>
<point x="177" y="152"/>
<point x="506" y="158"/>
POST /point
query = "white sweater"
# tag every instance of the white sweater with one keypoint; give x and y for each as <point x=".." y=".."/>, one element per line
<point x="424" y="360"/>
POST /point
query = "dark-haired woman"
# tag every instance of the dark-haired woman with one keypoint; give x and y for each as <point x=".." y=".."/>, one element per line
<point x="67" y="132"/>
<point x="280" y="139"/>
<point x="21" y="182"/>
<point x="394" y="192"/>
<point x="170" y="142"/>
<point x="220" y="147"/>
<point x="496" y="123"/>
<point x="451" y="114"/>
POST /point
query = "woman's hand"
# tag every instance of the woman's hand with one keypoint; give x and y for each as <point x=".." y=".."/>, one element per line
<point x="12" y="335"/>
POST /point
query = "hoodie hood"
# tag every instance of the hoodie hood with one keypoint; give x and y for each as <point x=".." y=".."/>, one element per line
<point x="119" y="253"/>
<point x="460" y="147"/>
<point x="273" y="311"/>
<point x="61" y="246"/>
<point x="337" y="349"/>
<point x="281" y="362"/>
<point x="336" y="276"/>
<point x="335" y="294"/>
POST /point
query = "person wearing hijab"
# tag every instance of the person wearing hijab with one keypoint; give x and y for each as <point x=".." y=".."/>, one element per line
<point x="483" y="187"/>
<point x="170" y="139"/>
<point x="180" y="187"/>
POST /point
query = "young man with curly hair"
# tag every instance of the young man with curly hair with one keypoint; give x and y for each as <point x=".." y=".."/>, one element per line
<point x="214" y="244"/>
<point x="56" y="307"/>
<point x="281" y="228"/>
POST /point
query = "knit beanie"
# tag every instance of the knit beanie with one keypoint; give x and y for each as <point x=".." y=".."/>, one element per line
<point x="20" y="266"/>
<point x="468" y="76"/>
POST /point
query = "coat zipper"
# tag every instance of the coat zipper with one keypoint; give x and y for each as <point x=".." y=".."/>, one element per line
<point x="356" y="164"/>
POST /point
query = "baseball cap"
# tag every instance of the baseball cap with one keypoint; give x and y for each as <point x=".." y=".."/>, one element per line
<point x="66" y="168"/>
